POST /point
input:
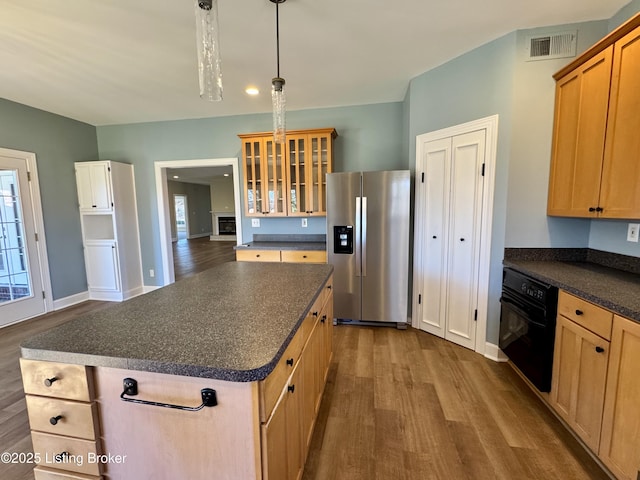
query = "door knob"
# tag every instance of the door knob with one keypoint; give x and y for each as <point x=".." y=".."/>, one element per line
<point x="599" y="349"/>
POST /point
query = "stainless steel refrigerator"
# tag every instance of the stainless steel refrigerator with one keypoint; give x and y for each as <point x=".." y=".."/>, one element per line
<point x="368" y="245"/>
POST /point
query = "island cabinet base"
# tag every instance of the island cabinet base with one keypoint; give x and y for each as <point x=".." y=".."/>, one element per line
<point x="150" y="441"/>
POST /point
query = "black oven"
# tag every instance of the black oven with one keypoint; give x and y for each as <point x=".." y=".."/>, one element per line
<point x="527" y="326"/>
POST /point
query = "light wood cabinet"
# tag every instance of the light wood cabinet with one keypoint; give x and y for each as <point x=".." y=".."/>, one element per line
<point x="109" y="220"/>
<point x="309" y="159"/>
<point x="63" y="419"/>
<point x="620" y="194"/>
<point x="621" y="418"/>
<point x="289" y="256"/>
<point x="582" y="97"/>
<point x="264" y="176"/>
<point x="594" y="167"/>
<point x="287" y="179"/>
<point x="579" y="376"/>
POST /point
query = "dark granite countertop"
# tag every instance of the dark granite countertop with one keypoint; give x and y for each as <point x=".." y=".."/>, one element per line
<point x="232" y="322"/>
<point x="286" y="242"/>
<point x="614" y="289"/>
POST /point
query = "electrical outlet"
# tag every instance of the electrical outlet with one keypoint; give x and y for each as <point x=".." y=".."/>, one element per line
<point x="255" y="222"/>
<point x="304" y="222"/>
<point x="152" y="273"/>
<point x="632" y="232"/>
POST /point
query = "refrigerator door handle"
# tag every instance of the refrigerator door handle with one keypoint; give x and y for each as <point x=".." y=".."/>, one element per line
<point x="363" y="233"/>
<point x="357" y="235"/>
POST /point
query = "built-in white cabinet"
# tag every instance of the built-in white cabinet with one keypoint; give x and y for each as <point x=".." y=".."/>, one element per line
<point x="94" y="186"/>
<point x="109" y="218"/>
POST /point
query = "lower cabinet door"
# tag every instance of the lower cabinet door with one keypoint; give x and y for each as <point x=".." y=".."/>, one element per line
<point x="621" y="418"/>
<point x="102" y="266"/>
<point x="579" y="376"/>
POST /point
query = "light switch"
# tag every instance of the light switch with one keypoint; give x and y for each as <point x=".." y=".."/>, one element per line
<point x="304" y="222"/>
<point x="632" y="232"/>
<point x="255" y="222"/>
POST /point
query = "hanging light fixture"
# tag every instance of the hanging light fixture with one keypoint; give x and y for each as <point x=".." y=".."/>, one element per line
<point x="278" y="98"/>
<point x="209" y="63"/>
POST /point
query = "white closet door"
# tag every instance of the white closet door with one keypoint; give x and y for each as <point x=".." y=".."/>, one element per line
<point x="465" y="222"/>
<point x="437" y="160"/>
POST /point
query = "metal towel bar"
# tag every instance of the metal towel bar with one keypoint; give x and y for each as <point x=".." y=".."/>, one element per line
<point x="130" y="387"/>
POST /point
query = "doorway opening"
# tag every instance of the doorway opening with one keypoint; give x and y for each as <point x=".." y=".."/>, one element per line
<point x="165" y="212"/>
<point x="181" y="221"/>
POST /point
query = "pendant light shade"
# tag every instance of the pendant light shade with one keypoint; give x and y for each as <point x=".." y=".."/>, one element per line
<point x="209" y="63"/>
<point x="278" y="98"/>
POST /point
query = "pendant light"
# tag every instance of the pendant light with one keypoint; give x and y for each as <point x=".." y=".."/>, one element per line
<point x="278" y="98"/>
<point x="209" y="63"/>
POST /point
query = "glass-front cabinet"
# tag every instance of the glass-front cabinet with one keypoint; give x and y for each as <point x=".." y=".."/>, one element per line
<point x="290" y="178"/>
<point x="264" y="176"/>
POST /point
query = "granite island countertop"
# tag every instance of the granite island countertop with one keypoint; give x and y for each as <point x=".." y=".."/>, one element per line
<point x="232" y="322"/>
<point x="616" y="290"/>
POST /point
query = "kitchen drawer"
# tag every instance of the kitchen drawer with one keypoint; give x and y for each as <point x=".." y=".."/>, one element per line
<point x="78" y="453"/>
<point x="590" y="316"/>
<point x="73" y="382"/>
<point x="44" y="473"/>
<point x="304" y="256"/>
<point x="271" y="387"/>
<point x="78" y="419"/>
<point x="252" y="255"/>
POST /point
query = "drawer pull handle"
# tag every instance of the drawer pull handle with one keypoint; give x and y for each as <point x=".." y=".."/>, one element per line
<point x="290" y="362"/>
<point x="49" y="381"/>
<point x="315" y="314"/>
<point x="599" y="349"/>
<point x="55" y="420"/>
<point x="579" y="312"/>
<point x="130" y="386"/>
<point x="291" y="388"/>
<point x="323" y="319"/>
<point x="329" y="287"/>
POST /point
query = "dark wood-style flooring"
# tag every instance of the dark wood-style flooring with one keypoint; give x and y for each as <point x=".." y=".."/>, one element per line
<point x="193" y="256"/>
<point x="399" y="405"/>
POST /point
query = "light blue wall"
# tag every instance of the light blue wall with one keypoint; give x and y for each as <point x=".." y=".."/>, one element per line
<point x="57" y="142"/>
<point x="624" y="14"/>
<point x="369" y="138"/>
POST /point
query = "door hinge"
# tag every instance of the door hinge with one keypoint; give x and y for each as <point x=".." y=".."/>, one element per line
<point x="36" y="236"/>
<point x="44" y="295"/>
<point x="419" y="299"/>
<point x="475" y="316"/>
<point x="28" y="176"/>
<point x="422" y="177"/>
<point x="483" y="169"/>
<point x="108" y="169"/>
<point x="111" y="204"/>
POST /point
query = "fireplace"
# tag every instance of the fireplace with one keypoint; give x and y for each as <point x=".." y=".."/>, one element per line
<point x="226" y="225"/>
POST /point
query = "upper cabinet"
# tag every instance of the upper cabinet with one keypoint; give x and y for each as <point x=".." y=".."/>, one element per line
<point x="93" y="180"/>
<point x="287" y="179"/>
<point x="594" y="160"/>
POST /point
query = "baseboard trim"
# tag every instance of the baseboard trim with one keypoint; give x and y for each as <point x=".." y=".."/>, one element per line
<point x="150" y="288"/>
<point x="74" y="299"/>
<point x="493" y="352"/>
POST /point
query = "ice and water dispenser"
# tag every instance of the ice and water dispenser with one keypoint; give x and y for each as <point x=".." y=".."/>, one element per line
<point x="343" y="239"/>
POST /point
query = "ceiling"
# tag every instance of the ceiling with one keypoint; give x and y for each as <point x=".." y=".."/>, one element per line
<point x="200" y="175"/>
<point x="128" y="61"/>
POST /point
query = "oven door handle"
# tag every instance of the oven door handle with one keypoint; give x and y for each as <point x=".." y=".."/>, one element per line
<point x="517" y="307"/>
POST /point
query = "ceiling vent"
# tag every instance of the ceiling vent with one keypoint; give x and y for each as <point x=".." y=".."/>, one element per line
<point x="556" y="45"/>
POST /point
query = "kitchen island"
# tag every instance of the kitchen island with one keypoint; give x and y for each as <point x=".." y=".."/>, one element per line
<point x="257" y="335"/>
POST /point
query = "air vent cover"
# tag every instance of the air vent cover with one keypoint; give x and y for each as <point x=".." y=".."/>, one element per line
<point x="555" y="45"/>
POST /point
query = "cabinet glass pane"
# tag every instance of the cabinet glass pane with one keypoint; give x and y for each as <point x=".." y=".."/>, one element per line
<point x="274" y="178"/>
<point x="253" y="177"/>
<point x="296" y="175"/>
<point x="14" y="273"/>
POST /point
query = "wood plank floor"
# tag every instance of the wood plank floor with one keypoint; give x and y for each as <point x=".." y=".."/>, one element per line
<point x="398" y="405"/>
<point x="193" y="256"/>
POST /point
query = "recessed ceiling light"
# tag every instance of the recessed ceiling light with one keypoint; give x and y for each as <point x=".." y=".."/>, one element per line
<point x="252" y="91"/>
<point x="176" y="176"/>
<point x="226" y="174"/>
